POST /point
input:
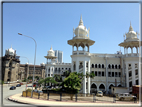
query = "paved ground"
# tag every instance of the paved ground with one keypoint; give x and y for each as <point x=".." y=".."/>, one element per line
<point x="39" y="102"/>
<point x="6" y="93"/>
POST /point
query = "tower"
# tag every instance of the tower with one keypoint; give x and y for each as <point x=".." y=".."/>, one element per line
<point x="131" y="60"/>
<point x="50" y="63"/>
<point x="81" y="58"/>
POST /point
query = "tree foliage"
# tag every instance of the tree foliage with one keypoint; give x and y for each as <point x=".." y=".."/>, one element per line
<point x="72" y="83"/>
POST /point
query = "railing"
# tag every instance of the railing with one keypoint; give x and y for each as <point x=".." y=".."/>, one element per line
<point x="80" y="53"/>
<point x="129" y="68"/>
<point x="130" y="78"/>
<point x="136" y="76"/>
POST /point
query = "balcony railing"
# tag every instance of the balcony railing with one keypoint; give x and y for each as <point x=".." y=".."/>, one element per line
<point x="80" y="53"/>
<point x="130" y="78"/>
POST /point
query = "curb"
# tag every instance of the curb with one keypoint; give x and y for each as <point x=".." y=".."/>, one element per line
<point x="17" y="101"/>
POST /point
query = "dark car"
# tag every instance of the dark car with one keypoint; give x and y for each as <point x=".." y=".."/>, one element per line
<point x="12" y="88"/>
<point x="18" y="85"/>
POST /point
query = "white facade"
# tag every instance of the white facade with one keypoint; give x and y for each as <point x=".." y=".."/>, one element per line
<point x="110" y="69"/>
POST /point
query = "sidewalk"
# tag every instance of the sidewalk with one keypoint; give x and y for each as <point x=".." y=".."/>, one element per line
<point x="33" y="101"/>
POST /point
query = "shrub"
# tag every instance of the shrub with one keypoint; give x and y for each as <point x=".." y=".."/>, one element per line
<point x="29" y="90"/>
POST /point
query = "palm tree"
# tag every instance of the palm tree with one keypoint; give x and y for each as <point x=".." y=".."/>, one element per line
<point x="66" y="73"/>
<point x="40" y="82"/>
<point x="92" y="75"/>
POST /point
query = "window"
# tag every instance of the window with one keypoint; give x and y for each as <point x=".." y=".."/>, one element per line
<point x="115" y="74"/>
<point x="119" y="74"/>
<point x="99" y="66"/>
<point x="109" y="66"/>
<point x="109" y="74"/>
<point x="130" y="84"/>
<point x="103" y="73"/>
<point x="112" y="74"/>
<point x="95" y="65"/>
<point x="112" y="66"/>
<point x="92" y="65"/>
<point x="115" y="66"/>
<point x="95" y="73"/>
<point x="102" y="65"/>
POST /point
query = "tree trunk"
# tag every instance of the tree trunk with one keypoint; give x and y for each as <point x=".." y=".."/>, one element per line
<point x="71" y="96"/>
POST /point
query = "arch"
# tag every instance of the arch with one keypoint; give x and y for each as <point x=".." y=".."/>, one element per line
<point x="99" y="66"/>
<point x="102" y="87"/>
<point x="115" y="66"/>
<point x="74" y="66"/>
<point x="92" y="65"/>
<point x="109" y="66"/>
<point x="94" y="86"/>
<point x="129" y="50"/>
<point x="134" y="49"/>
<point x="95" y="65"/>
<point x="119" y="66"/>
<point x="102" y="65"/>
<point x="112" y="66"/>
<point x="119" y="85"/>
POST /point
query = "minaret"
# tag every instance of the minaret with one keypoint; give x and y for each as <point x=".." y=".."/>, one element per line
<point x="50" y="62"/>
<point x="131" y="41"/>
<point x="81" y="58"/>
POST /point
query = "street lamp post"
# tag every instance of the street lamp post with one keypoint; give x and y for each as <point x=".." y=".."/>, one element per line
<point x="27" y="74"/>
<point x="34" y="59"/>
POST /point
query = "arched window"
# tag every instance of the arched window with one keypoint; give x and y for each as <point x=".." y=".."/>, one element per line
<point x="59" y="69"/>
<point x="115" y="66"/>
<point x="112" y="66"/>
<point x="99" y="66"/>
<point x="74" y="66"/>
<point x="62" y="68"/>
<point x="102" y="65"/>
<point x="92" y="65"/>
<point x="109" y="66"/>
<point x="95" y="65"/>
<point x="119" y="66"/>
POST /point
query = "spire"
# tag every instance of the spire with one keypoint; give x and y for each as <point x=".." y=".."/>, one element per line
<point x="11" y="45"/>
<point x="130" y="28"/>
<point x="51" y="48"/>
<point x="81" y="21"/>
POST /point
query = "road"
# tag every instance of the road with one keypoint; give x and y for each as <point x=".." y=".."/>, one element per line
<point x="6" y="93"/>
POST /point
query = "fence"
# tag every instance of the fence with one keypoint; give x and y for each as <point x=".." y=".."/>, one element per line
<point x="56" y="96"/>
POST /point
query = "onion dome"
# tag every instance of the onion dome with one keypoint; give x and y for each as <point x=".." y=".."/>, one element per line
<point x="81" y="30"/>
<point x="131" y="35"/>
<point x="51" y="52"/>
<point x="10" y="51"/>
<point x="42" y="64"/>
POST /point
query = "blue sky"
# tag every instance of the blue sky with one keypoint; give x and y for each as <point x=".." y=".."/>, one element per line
<point x="52" y="24"/>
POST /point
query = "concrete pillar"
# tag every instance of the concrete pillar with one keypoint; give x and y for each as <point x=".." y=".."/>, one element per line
<point x="137" y="49"/>
<point x="84" y="80"/>
<point x="132" y="50"/>
<point x="124" y="50"/>
<point x="89" y="77"/>
<point x="127" y="76"/>
<point x="72" y="66"/>
<point x="88" y="48"/>
<point x="77" y="66"/>
<point x="106" y="75"/>
<point x="72" y="48"/>
<point x="133" y="74"/>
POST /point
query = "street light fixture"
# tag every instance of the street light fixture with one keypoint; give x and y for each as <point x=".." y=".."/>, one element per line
<point x="34" y="60"/>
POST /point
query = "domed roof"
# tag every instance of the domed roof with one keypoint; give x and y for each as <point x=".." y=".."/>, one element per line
<point x="81" y="30"/>
<point x="131" y="35"/>
<point x="10" y="51"/>
<point x="51" y="52"/>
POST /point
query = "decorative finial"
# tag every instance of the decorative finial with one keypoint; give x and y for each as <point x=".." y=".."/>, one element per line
<point x="51" y="48"/>
<point x="130" y="28"/>
<point x="81" y="21"/>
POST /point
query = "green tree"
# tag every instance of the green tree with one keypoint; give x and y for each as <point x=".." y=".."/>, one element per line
<point x="71" y="84"/>
<point x="66" y="73"/>
<point x="57" y="77"/>
<point x="37" y="77"/>
<point x="40" y="82"/>
<point x="49" y="80"/>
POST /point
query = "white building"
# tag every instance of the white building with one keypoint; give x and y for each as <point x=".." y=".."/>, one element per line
<point x="110" y="69"/>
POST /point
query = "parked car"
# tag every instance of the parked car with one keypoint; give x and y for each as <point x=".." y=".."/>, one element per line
<point x="125" y="96"/>
<point x="35" y="90"/>
<point x="21" y="83"/>
<point x="18" y="85"/>
<point x="100" y="93"/>
<point x="12" y="88"/>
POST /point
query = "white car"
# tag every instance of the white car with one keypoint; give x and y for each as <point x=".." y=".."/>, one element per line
<point x="125" y="96"/>
<point x="100" y="93"/>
